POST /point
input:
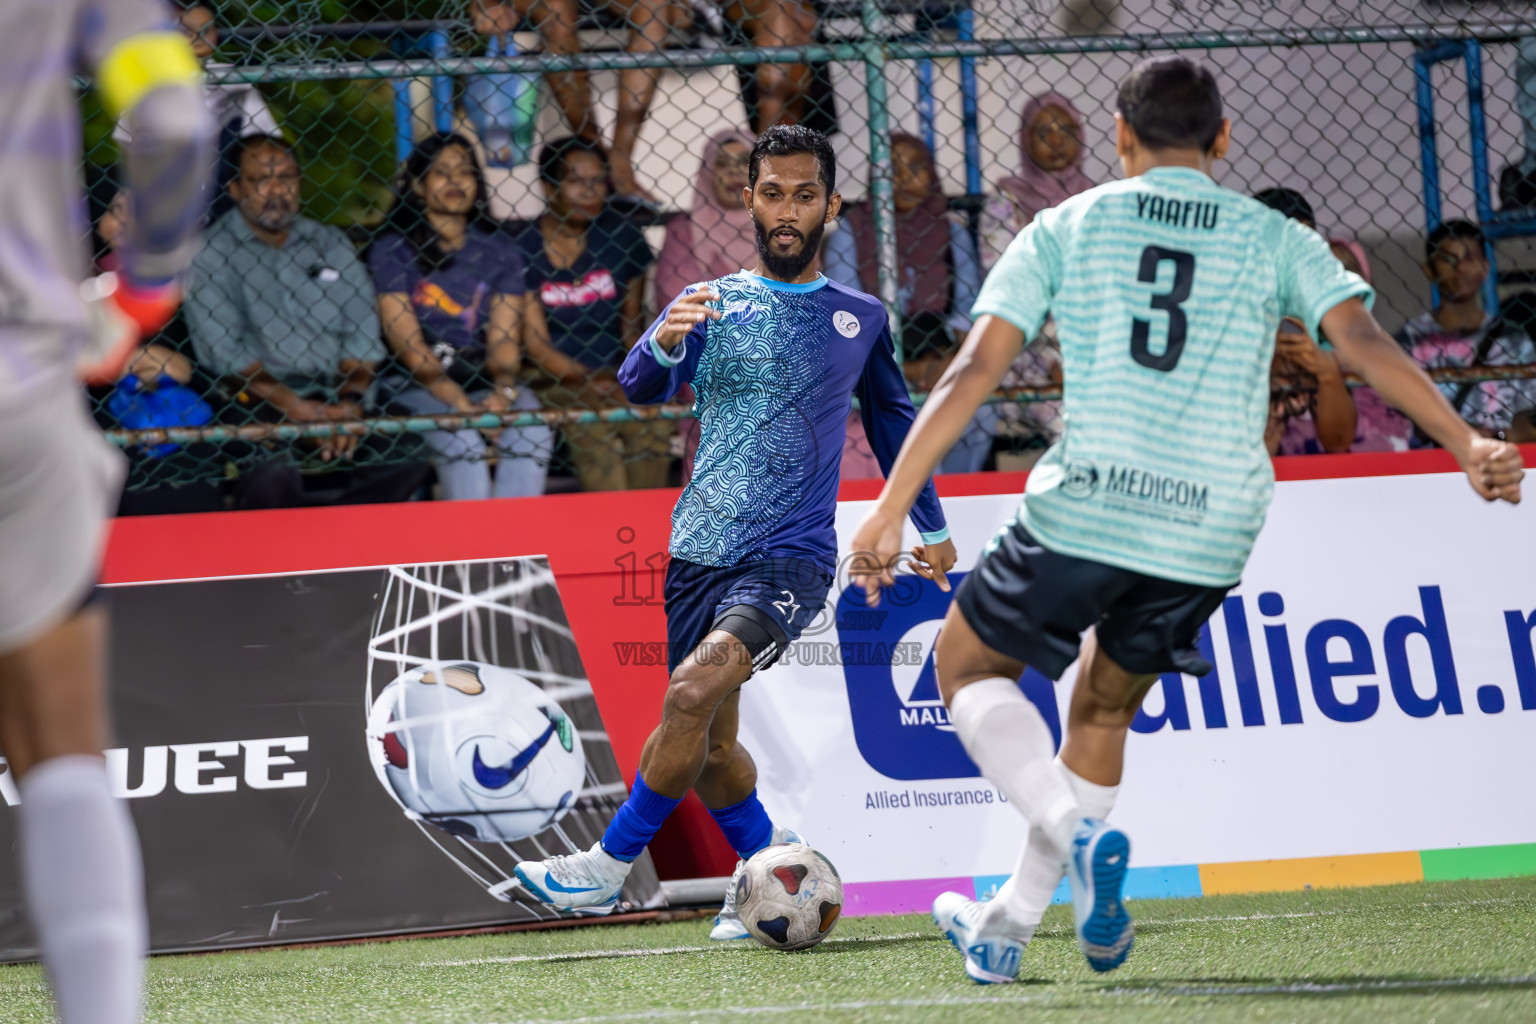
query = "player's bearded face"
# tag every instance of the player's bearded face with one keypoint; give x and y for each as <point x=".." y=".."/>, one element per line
<point x="787" y="249"/>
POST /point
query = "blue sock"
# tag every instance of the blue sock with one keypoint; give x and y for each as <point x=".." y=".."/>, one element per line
<point x="746" y="825"/>
<point x="637" y="821"/>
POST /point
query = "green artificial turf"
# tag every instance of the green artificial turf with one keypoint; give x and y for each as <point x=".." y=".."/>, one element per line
<point x="1436" y="951"/>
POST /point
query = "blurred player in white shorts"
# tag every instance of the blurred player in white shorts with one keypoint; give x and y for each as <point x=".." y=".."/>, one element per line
<point x="59" y="479"/>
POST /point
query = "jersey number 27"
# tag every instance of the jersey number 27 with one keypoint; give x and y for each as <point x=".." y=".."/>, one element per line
<point x="1152" y="258"/>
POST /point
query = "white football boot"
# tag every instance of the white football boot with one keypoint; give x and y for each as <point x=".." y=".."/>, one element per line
<point x="727" y="925"/>
<point x="589" y="880"/>
<point x="989" y="959"/>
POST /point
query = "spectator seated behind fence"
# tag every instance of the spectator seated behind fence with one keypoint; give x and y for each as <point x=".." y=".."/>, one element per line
<point x="586" y="265"/>
<point x="936" y="267"/>
<point x="1378" y="426"/>
<point x="709" y="240"/>
<point x="781" y="90"/>
<point x="453" y="306"/>
<point x="158" y="387"/>
<point x="1306" y="380"/>
<point x="1050" y="172"/>
<point x="237" y="107"/>
<point x="282" y="310"/>
<point x="1462" y="333"/>
<point x="937" y="273"/>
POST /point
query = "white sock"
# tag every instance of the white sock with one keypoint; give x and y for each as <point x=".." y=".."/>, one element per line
<point x="84" y="885"/>
<point x="1020" y="903"/>
<point x="1008" y="739"/>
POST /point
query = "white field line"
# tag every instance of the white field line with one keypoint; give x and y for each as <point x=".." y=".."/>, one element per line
<point x="713" y="947"/>
<point x="616" y="954"/>
<point x="1294" y="988"/>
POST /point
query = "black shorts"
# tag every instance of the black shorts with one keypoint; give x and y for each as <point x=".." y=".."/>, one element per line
<point x="1033" y="604"/>
<point x="764" y="603"/>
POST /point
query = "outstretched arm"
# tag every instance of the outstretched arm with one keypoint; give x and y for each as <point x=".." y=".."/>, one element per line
<point x="886" y="410"/>
<point x="152" y="81"/>
<point x="976" y="372"/>
<point x="1493" y="467"/>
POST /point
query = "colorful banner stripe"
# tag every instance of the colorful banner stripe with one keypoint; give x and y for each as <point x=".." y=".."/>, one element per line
<point x="1183" y="881"/>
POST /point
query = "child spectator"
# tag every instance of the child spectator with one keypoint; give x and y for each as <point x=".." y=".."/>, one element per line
<point x="158" y="387"/>
<point x="1378" y="426"/>
<point x="453" y="307"/>
<point x="1310" y="408"/>
<point x="1460" y="332"/>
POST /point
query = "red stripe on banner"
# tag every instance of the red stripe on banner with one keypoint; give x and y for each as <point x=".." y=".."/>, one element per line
<point x="608" y="552"/>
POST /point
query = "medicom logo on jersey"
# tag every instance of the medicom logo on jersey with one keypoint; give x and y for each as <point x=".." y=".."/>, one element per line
<point x="1137" y="490"/>
<point x="1283" y="672"/>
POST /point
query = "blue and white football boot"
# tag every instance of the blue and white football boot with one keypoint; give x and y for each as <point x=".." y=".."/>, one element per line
<point x="727" y="923"/>
<point x="1096" y="868"/>
<point x="989" y="959"/>
<point x="589" y="880"/>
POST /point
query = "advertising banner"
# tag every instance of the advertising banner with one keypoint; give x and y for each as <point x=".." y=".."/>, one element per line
<point x="1374" y="675"/>
<point x="343" y="753"/>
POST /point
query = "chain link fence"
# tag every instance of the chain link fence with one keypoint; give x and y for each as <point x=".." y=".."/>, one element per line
<point x="439" y="224"/>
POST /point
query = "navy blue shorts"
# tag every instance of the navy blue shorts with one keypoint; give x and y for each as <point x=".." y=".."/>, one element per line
<point x="785" y="595"/>
<point x="1033" y="604"/>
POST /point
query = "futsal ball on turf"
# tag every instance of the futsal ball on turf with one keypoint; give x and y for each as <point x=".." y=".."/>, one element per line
<point x="476" y="750"/>
<point x="789" y="896"/>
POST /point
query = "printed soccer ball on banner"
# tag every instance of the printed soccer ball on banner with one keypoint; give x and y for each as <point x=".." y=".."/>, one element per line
<point x="476" y="750"/>
<point x="789" y="896"/>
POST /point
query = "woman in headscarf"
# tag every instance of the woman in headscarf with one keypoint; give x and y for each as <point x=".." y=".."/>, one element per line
<point x="938" y="279"/>
<point x="711" y="239"/>
<point x="714" y="236"/>
<point x="937" y="270"/>
<point x="1050" y="171"/>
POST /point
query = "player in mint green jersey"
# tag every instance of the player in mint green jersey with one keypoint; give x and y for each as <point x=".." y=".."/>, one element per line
<point x="1166" y="290"/>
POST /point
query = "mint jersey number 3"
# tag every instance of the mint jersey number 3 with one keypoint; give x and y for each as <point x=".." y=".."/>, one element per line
<point x="1153" y="257"/>
<point x="1165" y="291"/>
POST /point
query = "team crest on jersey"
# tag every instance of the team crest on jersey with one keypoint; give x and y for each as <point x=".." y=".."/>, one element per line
<point x="1080" y="478"/>
<point x="846" y="323"/>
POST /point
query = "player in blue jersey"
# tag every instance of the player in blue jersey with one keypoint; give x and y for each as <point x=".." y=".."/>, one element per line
<point x="1165" y="289"/>
<point x="775" y="355"/>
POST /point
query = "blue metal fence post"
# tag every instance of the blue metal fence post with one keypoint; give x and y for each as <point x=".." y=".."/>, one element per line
<point x="1477" y="121"/>
<point x="442" y="85"/>
<point x="970" y="123"/>
<point x="881" y="198"/>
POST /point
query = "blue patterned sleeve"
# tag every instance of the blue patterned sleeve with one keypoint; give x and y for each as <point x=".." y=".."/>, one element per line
<point x="887" y="412"/>
<point x="650" y="374"/>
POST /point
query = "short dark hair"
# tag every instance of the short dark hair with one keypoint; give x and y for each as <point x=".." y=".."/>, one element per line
<point x="254" y="141"/>
<point x="1171" y="103"/>
<point x="1289" y="202"/>
<point x="1452" y="229"/>
<point x="789" y="139"/>
<point x="555" y="157"/>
